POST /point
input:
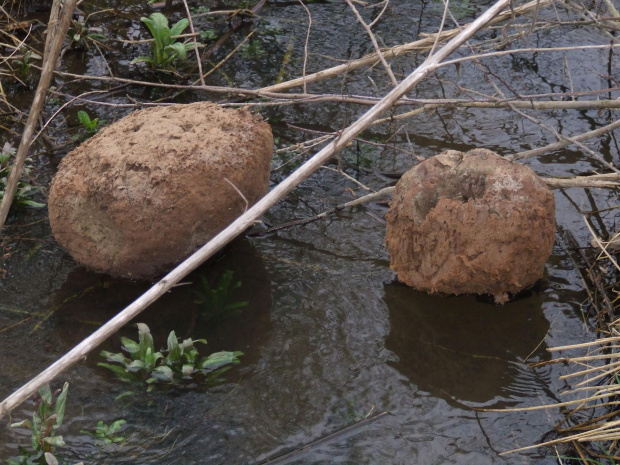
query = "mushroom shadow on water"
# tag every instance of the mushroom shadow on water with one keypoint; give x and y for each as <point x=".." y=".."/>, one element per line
<point x="460" y="348"/>
<point x="88" y="299"/>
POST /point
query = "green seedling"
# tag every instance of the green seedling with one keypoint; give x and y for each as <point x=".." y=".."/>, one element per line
<point x="165" y="49"/>
<point x="209" y="34"/>
<point x="24" y="189"/>
<point x="25" y="64"/>
<point x="90" y="125"/>
<point x="181" y="361"/>
<point x="81" y="33"/>
<point x="198" y="11"/>
<point x="106" y="434"/>
<point x="46" y="420"/>
<point x="253" y="49"/>
<point x="216" y="301"/>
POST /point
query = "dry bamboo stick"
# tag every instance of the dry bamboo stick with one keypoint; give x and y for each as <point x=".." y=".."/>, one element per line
<point x="600" y="244"/>
<point x="611" y="180"/>
<point x="605" y="370"/>
<point x="56" y="30"/>
<point x="601" y="180"/>
<point x="249" y="217"/>
<point x="364" y="100"/>
<point x="543" y="407"/>
<point x="373" y="39"/>
<point x="585" y="344"/>
<point x="422" y="44"/>
<point x="559" y="145"/>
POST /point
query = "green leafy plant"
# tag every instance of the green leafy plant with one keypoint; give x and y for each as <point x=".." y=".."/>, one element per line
<point x="90" y="125"/>
<point x="216" y="300"/>
<point x="181" y="361"/>
<point x="25" y="64"/>
<point x="106" y="434"/>
<point x="165" y="49"/>
<point x="81" y="33"/>
<point x="253" y="49"/>
<point x="46" y="420"/>
<point x="209" y="34"/>
<point x="198" y="11"/>
<point x="24" y="189"/>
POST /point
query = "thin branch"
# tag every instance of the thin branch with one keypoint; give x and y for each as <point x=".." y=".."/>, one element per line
<point x="558" y="145"/>
<point x="191" y="28"/>
<point x="374" y="42"/>
<point x="303" y="72"/>
<point x="446" y="4"/>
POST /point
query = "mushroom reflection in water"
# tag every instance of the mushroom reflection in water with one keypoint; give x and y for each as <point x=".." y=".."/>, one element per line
<point x="462" y="348"/>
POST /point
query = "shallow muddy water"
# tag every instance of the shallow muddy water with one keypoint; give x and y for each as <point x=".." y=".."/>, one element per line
<point x="329" y="337"/>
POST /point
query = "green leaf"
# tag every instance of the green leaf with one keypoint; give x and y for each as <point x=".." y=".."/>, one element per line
<point x="116" y="426"/>
<point x="50" y="459"/>
<point x="118" y="358"/>
<point x="188" y="345"/>
<point x="179" y="27"/>
<point x="130" y="345"/>
<point x="164" y="373"/>
<point x="236" y="305"/>
<point x="22" y="424"/>
<point x="158" y="26"/>
<point x="46" y="394"/>
<point x="32" y="203"/>
<point x="145" y="340"/>
<point x="178" y="51"/>
<point x="187" y="370"/>
<point x="61" y="403"/>
<point x="123" y="394"/>
<point x="36" y="431"/>
<point x="119" y="371"/>
<point x="55" y="441"/>
<point x="219" y="359"/>
<point x="143" y="59"/>
<point x="83" y="117"/>
<point x="151" y="358"/>
<point x="174" y="351"/>
<point x="135" y="366"/>
<point x="97" y="36"/>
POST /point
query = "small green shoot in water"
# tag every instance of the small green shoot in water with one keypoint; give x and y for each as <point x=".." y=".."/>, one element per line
<point x="24" y="65"/>
<point x="181" y="361"/>
<point x="106" y="434"/>
<point x="90" y="125"/>
<point x="46" y="420"/>
<point x="253" y="49"/>
<point x="216" y="300"/>
<point x="165" y="49"/>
